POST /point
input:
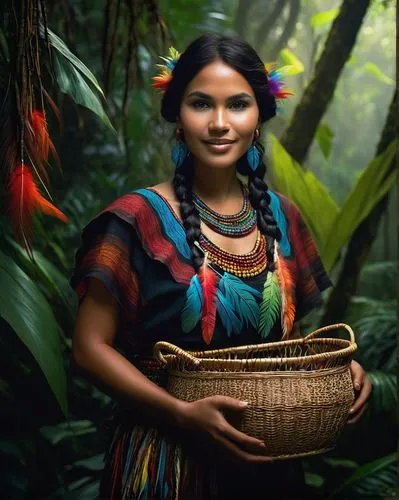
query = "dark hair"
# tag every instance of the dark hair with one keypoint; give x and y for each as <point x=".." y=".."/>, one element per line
<point x="243" y="58"/>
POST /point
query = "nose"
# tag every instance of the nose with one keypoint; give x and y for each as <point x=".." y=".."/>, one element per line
<point x="218" y="121"/>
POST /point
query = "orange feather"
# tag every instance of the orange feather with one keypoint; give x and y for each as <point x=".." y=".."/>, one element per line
<point x="208" y="280"/>
<point x="24" y="200"/>
<point x="287" y="295"/>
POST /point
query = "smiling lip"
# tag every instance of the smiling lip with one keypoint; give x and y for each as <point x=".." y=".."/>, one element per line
<point x="219" y="146"/>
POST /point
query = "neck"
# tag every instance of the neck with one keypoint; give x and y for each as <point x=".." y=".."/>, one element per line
<point x="216" y="184"/>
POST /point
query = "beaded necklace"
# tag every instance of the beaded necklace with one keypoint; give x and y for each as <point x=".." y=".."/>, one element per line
<point x="246" y="265"/>
<point x="234" y="225"/>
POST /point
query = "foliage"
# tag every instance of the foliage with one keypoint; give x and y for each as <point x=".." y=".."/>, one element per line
<point x="334" y="229"/>
<point x="47" y="457"/>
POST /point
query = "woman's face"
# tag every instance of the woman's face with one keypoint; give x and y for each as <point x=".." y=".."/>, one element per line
<point x="218" y="105"/>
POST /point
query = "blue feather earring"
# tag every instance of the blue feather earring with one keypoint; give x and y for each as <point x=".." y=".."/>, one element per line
<point x="180" y="150"/>
<point x="254" y="156"/>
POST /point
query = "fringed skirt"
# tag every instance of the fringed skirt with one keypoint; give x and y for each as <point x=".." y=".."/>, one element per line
<point x="148" y="462"/>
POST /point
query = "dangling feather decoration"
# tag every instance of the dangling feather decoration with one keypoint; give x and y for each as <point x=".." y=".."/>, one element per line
<point x="242" y="298"/>
<point x="24" y="200"/>
<point x="270" y="307"/>
<point x="208" y="280"/>
<point x="42" y="143"/>
<point x="287" y="295"/>
<point x="227" y="315"/>
<point x="191" y="312"/>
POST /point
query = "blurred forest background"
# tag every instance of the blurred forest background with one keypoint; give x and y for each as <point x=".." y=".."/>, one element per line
<point x="331" y="149"/>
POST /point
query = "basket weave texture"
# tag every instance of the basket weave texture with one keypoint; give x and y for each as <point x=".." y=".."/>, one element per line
<point x="299" y="391"/>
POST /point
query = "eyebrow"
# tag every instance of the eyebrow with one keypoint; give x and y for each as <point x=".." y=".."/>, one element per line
<point x="231" y="98"/>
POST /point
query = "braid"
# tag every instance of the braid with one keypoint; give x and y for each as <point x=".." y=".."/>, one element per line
<point x="183" y="183"/>
<point x="260" y="200"/>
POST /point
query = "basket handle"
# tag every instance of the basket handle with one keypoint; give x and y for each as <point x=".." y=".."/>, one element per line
<point x="332" y="327"/>
<point x="161" y="348"/>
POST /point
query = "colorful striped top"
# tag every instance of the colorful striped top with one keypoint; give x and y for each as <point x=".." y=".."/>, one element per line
<point x="137" y="247"/>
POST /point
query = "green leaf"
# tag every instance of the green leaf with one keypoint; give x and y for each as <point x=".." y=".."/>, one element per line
<point x="305" y="190"/>
<point x="95" y="463"/>
<point x="314" y="480"/>
<point x="67" y="430"/>
<point x="60" y="46"/>
<point x="384" y="396"/>
<point x="72" y="83"/>
<point x="365" y="472"/>
<point x="292" y="64"/>
<point x="370" y="188"/>
<point x="325" y="17"/>
<point x="46" y="272"/>
<point x="24" y="308"/>
<point x="372" y="69"/>
<point x="324" y="137"/>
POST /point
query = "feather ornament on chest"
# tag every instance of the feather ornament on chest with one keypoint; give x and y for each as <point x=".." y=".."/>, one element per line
<point x="277" y="297"/>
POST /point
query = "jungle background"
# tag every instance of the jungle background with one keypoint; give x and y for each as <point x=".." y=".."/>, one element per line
<point x="331" y="149"/>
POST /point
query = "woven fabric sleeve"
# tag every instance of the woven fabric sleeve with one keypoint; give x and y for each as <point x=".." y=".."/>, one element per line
<point x="106" y="254"/>
<point x="311" y="277"/>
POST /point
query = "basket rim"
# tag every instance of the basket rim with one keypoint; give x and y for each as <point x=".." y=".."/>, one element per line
<point x="197" y="359"/>
<point x="257" y="374"/>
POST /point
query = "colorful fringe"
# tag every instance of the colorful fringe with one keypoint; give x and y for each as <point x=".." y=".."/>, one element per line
<point x="147" y="465"/>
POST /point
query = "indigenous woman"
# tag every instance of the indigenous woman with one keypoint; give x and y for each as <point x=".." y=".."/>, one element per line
<point x="205" y="260"/>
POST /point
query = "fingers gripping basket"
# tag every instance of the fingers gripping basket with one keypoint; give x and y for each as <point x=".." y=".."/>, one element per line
<point x="299" y="391"/>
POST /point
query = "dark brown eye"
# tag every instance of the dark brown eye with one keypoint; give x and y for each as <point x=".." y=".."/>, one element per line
<point x="239" y="105"/>
<point x="200" y="104"/>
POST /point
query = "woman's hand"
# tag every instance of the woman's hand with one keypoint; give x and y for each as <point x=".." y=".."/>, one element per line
<point x="363" y="388"/>
<point x="207" y="416"/>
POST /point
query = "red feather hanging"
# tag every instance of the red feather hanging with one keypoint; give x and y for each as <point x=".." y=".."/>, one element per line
<point x="24" y="200"/>
<point x="208" y="280"/>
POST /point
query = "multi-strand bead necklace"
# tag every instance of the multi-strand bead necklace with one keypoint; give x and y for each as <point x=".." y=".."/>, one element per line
<point x="236" y="225"/>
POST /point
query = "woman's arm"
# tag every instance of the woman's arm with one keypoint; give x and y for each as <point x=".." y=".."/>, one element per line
<point x="93" y="352"/>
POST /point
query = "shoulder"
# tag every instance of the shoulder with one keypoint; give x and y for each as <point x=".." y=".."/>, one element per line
<point x="281" y="202"/>
<point x="135" y="205"/>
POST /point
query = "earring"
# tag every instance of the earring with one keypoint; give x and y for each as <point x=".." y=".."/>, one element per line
<point x="254" y="156"/>
<point x="179" y="150"/>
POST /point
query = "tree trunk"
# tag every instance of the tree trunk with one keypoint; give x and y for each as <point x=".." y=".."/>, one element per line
<point x="362" y="239"/>
<point x="289" y="28"/>
<point x="266" y="26"/>
<point x="341" y="39"/>
<point x="241" y="17"/>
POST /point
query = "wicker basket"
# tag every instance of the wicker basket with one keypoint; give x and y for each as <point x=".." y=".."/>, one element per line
<point x="299" y="391"/>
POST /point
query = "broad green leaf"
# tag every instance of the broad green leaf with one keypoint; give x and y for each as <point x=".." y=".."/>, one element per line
<point x="95" y="462"/>
<point x="367" y="470"/>
<point x="324" y="137"/>
<point x="325" y="17"/>
<point x="60" y="46"/>
<point x="370" y="188"/>
<point x="374" y="70"/>
<point x="317" y="207"/>
<point x="66" y="430"/>
<point x="46" y="272"/>
<point x="24" y="308"/>
<point x="292" y="64"/>
<point x="313" y="479"/>
<point x="72" y="83"/>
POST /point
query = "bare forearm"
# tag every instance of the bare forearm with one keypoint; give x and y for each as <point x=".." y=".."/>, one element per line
<point x="116" y="376"/>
